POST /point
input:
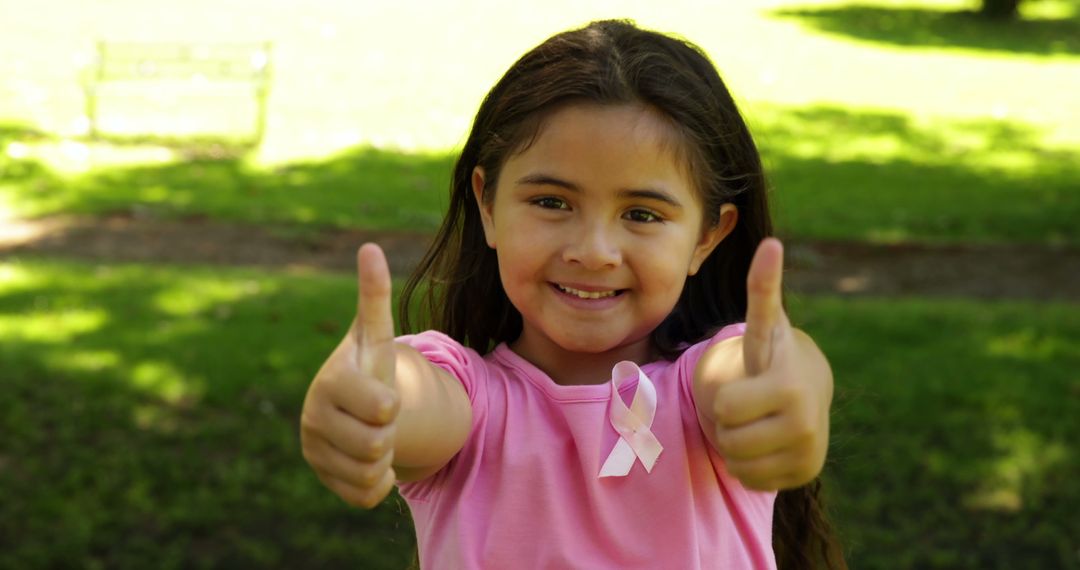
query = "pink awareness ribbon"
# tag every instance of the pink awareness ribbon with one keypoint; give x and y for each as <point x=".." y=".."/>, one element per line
<point x="636" y="439"/>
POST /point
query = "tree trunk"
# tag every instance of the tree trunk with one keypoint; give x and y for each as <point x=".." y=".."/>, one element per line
<point x="1001" y="9"/>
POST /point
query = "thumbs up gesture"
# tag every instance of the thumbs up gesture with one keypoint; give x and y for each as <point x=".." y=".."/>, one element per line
<point x="347" y="426"/>
<point x="769" y="416"/>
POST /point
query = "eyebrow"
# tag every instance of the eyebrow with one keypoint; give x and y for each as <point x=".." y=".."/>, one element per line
<point x="647" y="193"/>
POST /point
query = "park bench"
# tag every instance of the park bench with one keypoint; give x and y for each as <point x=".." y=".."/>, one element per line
<point x="158" y="71"/>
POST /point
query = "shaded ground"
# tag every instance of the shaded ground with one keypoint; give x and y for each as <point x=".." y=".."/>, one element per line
<point x="850" y="268"/>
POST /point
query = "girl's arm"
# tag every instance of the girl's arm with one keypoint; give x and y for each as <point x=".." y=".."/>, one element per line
<point x="763" y="398"/>
<point x="434" y="419"/>
<point x="377" y="410"/>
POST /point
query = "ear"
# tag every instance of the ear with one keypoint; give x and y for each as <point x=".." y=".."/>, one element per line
<point x="713" y="235"/>
<point x="485" y="208"/>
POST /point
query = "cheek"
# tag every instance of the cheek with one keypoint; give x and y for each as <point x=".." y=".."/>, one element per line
<point x="664" y="287"/>
<point x="668" y="265"/>
<point x="519" y="271"/>
<point x="666" y="275"/>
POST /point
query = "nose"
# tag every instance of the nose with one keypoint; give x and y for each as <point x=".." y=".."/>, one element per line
<point x="595" y="246"/>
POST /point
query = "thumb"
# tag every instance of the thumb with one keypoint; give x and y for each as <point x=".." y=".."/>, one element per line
<point x="373" y="328"/>
<point x="764" y="311"/>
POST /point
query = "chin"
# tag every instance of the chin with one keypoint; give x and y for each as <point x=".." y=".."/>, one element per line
<point x="594" y="344"/>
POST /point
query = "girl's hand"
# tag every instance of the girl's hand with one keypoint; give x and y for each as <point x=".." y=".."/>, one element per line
<point x="348" y="422"/>
<point x="772" y="423"/>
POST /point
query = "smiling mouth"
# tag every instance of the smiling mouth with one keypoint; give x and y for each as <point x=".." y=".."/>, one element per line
<point x="588" y="294"/>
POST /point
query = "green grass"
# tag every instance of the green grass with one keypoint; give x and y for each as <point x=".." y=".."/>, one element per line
<point x="151" y="421"/>
<point x="150" y="417"/>
<point x="886" y="120"/>
<point x="364" y="187"/>
<point x="954" y="430"/>
<point x="837" y="174"/>
<point x="346" y="74"/>
<point x="1046" y="28"/>
<point x="879" y="176"/>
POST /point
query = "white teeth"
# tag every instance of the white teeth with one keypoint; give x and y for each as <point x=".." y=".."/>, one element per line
<point x="586" y="294"/>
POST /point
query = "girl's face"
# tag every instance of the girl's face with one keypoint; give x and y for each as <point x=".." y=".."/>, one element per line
<point x="596" y="227"/>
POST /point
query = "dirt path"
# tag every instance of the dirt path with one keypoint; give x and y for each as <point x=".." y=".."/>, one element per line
<point x="848" y="268"/>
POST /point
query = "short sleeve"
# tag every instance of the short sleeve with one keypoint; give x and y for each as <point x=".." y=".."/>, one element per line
<point x="730" y="331"/>
<point x="461" y="362"/>
<point x="688" y="360"/>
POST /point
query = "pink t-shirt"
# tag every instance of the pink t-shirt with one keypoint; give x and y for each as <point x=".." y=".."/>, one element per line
<point x="524" y="490"/>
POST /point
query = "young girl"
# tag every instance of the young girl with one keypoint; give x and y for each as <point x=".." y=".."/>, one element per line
<point x="610" y="380"/>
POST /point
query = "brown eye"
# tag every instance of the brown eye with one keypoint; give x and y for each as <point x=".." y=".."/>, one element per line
<point x="643" y="216"/>
<point x="550" y="203"/>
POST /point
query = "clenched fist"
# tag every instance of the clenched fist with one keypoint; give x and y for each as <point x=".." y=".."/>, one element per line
<point x="766" y="395"/>
<point x="348" y="424"/>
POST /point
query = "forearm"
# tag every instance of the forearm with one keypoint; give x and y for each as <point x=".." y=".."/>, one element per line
<point x="434" y="418"/>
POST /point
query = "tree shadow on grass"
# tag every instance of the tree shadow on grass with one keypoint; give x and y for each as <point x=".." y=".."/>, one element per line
<point x="361" y="187"/>
<point x="150" y="420"/>
<point x="882" y="176"/>
<point x="838" y="173"/>
<point x="918" y="27"/>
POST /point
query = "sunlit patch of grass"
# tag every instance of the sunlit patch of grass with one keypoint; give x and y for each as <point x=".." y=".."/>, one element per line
<point x="886" y="177"/>
<point x="838" y="174"/>
<point x="89" y="361"/>
<point x="879" y="136"/>
<point x="193" y="296"/>
<point x="164" y="380"/>
<point x="1023" y="458"/>
<point x="1031" y="345"/>
<point x="15" y="277"/>
<point x="53" y="327"/>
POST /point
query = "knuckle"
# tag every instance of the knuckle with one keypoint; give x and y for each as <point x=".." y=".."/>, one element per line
<point x="803" y="429"/>
<point x="806" y="472"/>
<point x="758" y="335"/>
<point x="308" y="453"/>
<point x="800" y="427"/>
<point x="309" y="424"/>
<point x="378" y="447"/>
<point x="356" y="498"/>
<point x="759" y="286"/>
<point x="394" y="402"/>
<point x="789" y="390"/>
<point x="371" y="501"/>
<point x="370" y="476"/>
<point x="722" y="409"/>
<point x="372" y="498"/>
<point x="387" y="404"/>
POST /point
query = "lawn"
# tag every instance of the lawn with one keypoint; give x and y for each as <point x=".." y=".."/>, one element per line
<point x="151" y="411"/>
<point x="151" y="419"/>
<point x="885" y="121"/>
<point x="836" y="174"/>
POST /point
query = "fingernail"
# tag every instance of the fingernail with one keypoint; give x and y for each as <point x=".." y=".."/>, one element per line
<point x="386" y="408"/>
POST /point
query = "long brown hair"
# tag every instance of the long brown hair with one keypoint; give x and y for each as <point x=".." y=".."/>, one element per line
<point x="614" y="62"/>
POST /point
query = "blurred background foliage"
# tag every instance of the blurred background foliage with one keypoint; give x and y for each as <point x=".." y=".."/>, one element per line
<point x="150" y="410"/>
